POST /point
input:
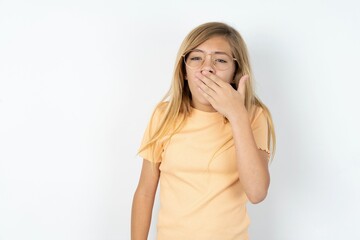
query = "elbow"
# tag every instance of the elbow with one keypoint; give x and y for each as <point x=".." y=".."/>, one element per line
<point x="259" y="194"/>
<point x="257" y="197"/>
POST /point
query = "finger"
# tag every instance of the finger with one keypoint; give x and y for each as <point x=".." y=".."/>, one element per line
<point x="242" y="84"/>
<point x="208" y="81"/>
<point x="214" y="78"/>
<point x="207" y="96"/>
<point x="205" y="80"/>
<point x="204" y="87"/>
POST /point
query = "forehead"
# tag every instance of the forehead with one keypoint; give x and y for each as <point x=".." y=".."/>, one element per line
<point x="215" y="44"/>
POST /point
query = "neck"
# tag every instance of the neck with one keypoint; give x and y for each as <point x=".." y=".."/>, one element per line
<point x="202" y="107"/>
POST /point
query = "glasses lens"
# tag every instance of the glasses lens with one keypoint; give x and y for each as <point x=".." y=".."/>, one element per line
<point x="222" y="61"/>
<point x="195" y="59"/>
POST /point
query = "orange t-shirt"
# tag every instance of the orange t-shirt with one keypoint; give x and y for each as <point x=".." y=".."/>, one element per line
<point x="201" y="196"/>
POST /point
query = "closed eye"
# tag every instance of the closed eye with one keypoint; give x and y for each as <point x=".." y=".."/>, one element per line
<point x="195" y="59"/>
<point x="221" y="60"/>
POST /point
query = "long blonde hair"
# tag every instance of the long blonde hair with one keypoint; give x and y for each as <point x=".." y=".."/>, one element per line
<point x="179" y="95"/>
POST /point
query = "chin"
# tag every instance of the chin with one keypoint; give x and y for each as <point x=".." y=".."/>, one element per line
<point x="203" y="101"/>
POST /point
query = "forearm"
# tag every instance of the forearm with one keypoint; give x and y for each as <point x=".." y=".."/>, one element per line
<point x="141" y="216"/>
<point x="252" y="166"/>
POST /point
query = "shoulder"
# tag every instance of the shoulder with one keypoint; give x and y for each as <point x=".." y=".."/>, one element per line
<point x="161" y="107"/>
<point x="259" y="117"/>
<point x="160" y="110"/>
<point x="256" y="112"/>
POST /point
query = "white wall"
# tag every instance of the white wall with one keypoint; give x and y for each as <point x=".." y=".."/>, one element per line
<point x="79" y="80"/>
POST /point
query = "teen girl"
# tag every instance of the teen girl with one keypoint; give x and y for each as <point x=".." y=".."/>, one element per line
<point x="207" y="143"/>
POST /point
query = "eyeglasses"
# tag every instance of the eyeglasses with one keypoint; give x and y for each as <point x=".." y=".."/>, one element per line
<point x="196" y="59"/>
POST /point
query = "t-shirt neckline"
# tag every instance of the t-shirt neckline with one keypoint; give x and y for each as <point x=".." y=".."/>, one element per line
<point x="201" y="113"/>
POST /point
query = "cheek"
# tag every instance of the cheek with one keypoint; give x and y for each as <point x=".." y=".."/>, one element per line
<point x="190" y="76"/>
<point x="192" y="84"/>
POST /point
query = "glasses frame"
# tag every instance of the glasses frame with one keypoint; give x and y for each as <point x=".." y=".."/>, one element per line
<point x="212" y="61"/>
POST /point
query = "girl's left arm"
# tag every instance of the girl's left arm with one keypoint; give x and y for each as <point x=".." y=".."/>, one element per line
<point x="252" y="163"/>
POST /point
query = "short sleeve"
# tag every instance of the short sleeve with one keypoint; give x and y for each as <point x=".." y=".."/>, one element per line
<point x="260" y="131"/>
<point x="152" y="126"/>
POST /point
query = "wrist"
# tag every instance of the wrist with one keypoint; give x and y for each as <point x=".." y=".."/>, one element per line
<point x="239" y="116"/>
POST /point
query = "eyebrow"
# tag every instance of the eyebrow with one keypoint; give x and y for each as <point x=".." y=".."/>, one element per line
<point x="217" y="52"/>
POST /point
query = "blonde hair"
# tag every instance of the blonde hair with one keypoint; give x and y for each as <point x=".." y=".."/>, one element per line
<point x="179" y="95"/>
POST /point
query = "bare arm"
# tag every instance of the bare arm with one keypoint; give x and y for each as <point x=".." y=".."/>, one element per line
<point x="143" y="201"/>
<point x="252" y="162"/>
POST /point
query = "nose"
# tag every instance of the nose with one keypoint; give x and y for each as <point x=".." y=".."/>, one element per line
<point x="208" y="64"/>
